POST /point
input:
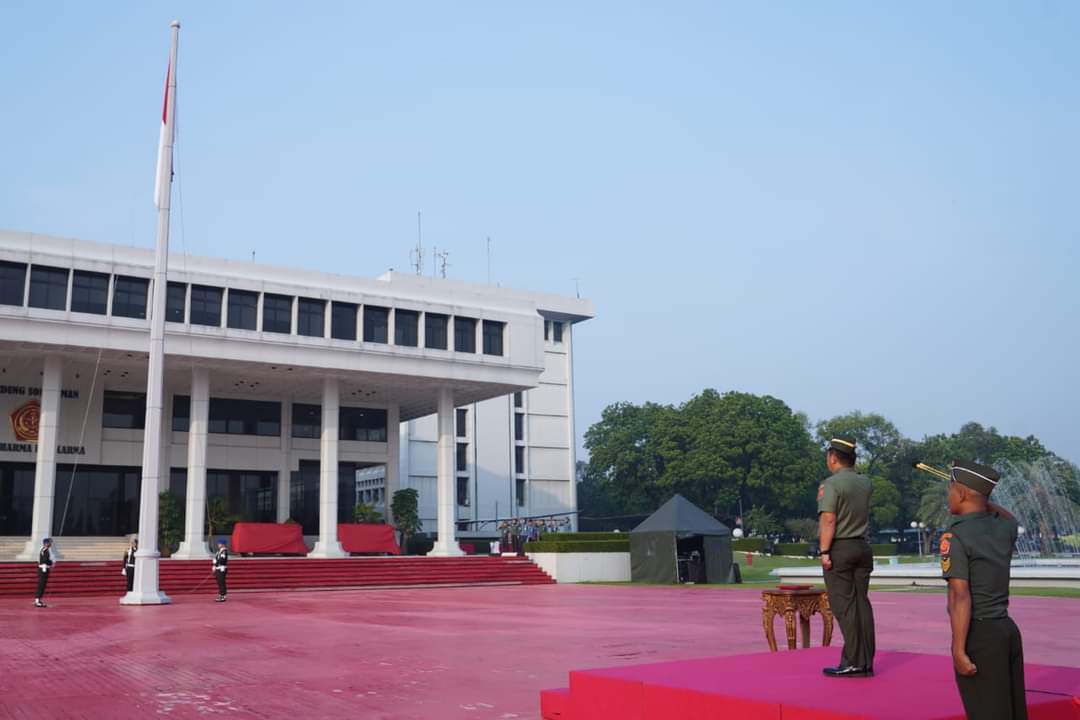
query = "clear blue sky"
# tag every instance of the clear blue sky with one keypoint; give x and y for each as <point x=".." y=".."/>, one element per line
<point x="849" y="206"/>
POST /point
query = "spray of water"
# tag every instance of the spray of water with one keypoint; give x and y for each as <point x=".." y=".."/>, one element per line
<point x="1041" y="495"/>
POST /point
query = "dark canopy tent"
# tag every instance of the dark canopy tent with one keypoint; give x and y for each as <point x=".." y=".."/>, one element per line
<point x="673" y="533"/>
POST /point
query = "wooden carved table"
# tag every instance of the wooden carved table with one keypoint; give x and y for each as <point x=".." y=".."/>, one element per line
<point x="790" y="602"/>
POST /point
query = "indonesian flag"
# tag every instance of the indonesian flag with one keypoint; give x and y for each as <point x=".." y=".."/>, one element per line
<point x="163" y="179"/>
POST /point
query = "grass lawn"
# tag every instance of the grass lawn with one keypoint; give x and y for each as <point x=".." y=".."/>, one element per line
<point x="756" y="576"/>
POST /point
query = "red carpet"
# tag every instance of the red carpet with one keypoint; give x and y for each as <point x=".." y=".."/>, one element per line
<point x="253" y="574"/>
<point x="790" y="686"/>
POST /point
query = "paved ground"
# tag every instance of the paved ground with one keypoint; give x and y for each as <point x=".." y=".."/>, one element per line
<point x="479" y="653"/>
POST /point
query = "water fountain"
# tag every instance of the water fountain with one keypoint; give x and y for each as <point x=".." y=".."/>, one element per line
<point x="1040" y="496"/>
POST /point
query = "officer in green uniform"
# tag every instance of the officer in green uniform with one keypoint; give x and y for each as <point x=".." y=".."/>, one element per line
<point x="988" y="654"/>
<point x="846" y="558"/>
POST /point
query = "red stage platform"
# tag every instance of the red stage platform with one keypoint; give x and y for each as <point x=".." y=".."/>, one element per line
<point x="790" y="686"/>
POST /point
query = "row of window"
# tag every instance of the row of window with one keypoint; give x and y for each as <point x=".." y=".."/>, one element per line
<point x="227" y="416"/>
<point x="89" y="290"/>
<point x="242" y="314"/>
<point x="553" y="331"/>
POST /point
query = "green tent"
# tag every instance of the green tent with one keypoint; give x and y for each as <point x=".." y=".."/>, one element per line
<point x="680" y="542"/>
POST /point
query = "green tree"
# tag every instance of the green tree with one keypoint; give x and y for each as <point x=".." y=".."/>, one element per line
<point x="759" y="521"/>
<point x="803" y="529"/>
<point x="725" y="450"/>
<point x="404" y="509"/>
<point x="885" y="503"/>
<point x="877" y="438"/>
<point x="625" y="458"/>
<point x="170" y="522"/>
<point x="364" y="513"/>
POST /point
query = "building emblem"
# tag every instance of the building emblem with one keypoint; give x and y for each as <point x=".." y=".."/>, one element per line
<point x="24" y="421"/>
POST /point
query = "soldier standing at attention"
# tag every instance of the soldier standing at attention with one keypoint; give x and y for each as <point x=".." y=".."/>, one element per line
<point x="987" y="651"/>
<point x="129" y="562"/>
<point x="45" y="563"/>
<point x="221" y="563"/>
<point x="846" y="558"/>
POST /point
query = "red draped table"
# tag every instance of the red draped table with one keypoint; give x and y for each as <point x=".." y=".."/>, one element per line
<point x="367" y="538"/>
<point x="269" y="538"/>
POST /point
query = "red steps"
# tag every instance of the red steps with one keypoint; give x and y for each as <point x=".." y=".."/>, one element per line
<point x="255" y="574"/>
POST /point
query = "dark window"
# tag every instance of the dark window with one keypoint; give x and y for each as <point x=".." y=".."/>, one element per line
<point x="243" y="309"/>
<point x="463" y="491"/>
<point x="520" y="487"/>
<point x="206" y="305"/>
<point x="245" y="417"/>
<point x="249" y="496"/>
<point x="12" y="283"/>
<point x="464" y="334"/>
<point x="435" y="331"/>
<point x="17" y="491"/>
<point x="103" y="500"/>
<point x="89" y="292"/>
<point x="310" y="318"/>
<point x="123" y="410"/>
<point x="376" y="322"/>
<point x="557" y="331"/>
<point x="519" y="399"/>
<point x="493" y="337"/>
<point x="406" y="327"/>
<point x="48" y="287"/>
<point x="181" y="413"/>
<point x="277" y="313"/>
<point x="547" y="329"/>
<point x="519" y="426"/>
<point x="306" y="420"/>
<point x="175" y="302"/>
<point x="462" y="420"/>
<point x="364" y="424"/>
<point x="462" y="457"/>
<point x="519" y="460"/>
<point x="129" y="297"/>
<point x="343" y="321"/>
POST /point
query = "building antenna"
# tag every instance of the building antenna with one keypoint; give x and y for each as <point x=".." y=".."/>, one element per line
<point x="443" y="261"/>
<point x="577" y="288"/>
<point x="417" y="255"/>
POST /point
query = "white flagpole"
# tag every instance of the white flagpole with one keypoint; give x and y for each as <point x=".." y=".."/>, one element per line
<point x="146" y="590"/>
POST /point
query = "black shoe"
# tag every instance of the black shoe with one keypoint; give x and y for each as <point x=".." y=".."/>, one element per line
<point x="848" y="671"/>
<point x="220" y="599"/>
<point x="38" y="603"/>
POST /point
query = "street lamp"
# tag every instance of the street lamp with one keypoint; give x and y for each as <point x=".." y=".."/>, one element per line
<point x="919" y="527"/>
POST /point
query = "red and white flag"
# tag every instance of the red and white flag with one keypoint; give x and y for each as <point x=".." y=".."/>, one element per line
<point x="163" y="179"/>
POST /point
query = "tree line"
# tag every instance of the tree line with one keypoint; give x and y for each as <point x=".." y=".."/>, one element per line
<point x="738" y="454"/>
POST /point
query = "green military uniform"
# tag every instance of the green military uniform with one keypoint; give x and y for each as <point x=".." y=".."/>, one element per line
<point x="978" y="547"/>
<point x="847" y="494"/>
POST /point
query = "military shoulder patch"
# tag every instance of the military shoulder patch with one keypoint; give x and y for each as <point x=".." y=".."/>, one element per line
<point x="944" y="547"/>
<point x="945" y="543"/>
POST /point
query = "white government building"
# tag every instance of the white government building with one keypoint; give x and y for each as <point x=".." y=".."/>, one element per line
<point x="289" y="394"/>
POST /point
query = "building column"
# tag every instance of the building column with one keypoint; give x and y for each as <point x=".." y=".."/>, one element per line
<point x="194" y="545"/>
<point x="327" y="545"/>
<point x="45" y="468"/>
<point x="285" y="471"/>
<point x="446" y="510"/>
<point x="392" y="483"/>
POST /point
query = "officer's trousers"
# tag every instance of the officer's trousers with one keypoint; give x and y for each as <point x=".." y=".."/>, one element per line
<point x="220" y="576"/>
<point x="42" y="579"/>
<point x="996" y="691"/>
<point x="130" y="573"/>
<point x="848" y="585"/>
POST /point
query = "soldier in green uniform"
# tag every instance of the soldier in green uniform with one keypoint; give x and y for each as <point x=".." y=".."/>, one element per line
<point x="846" y="558"/>
<point x="987" y="651"/>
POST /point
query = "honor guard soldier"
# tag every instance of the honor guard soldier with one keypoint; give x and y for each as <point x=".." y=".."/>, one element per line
<point x="221" y="566"/>
<point x="45" y="563"/>
<point x="976" y="551"/>
<point x="846" y="558"/>
<point x="129" y="562"/>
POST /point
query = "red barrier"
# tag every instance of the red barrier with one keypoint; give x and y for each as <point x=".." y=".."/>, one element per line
<point x="268" y="538"/>
<point x="367" y="538"/>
